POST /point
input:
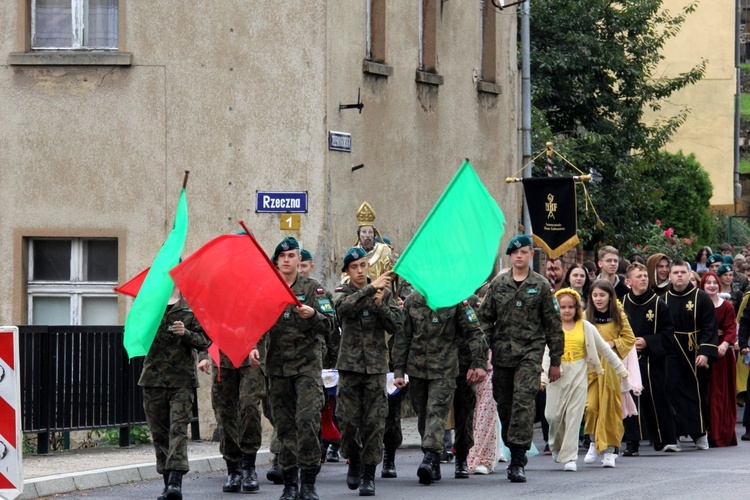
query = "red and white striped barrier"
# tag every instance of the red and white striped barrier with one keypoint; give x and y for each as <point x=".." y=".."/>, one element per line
<point x="11" y="437"/>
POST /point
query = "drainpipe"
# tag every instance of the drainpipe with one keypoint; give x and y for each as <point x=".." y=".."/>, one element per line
<point x="526" y="102"/>
<point x="738" y="208"/>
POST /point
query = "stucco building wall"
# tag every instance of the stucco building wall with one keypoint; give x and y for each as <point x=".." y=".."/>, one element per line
<point x="243" y="94"/>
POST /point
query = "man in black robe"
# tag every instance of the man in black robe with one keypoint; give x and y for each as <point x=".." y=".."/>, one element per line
<point x="695" y="341"/>
<point x="651" y="322"/>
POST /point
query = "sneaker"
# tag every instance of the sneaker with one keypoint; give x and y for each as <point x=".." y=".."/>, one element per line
<point x="746" y="436"/>
<point x="570" y="466"/>
<point x="701" y="443"/>
<point x="591" y="455"/>
<point x="609" y="459"/>
<point x="672" y="448"/>
<point x="332" y="455"/>
<point x="481" y="469"/>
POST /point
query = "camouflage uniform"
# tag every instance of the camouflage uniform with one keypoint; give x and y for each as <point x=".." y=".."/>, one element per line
<point x="236" y="396"/>
<point x="362" y="365"/>
<point x="464" y="398"/>
<point x="291" y="354"/>
<point x="427" y="349"/>
<point x="519" y="321"/>
<point x="169" y="379"/>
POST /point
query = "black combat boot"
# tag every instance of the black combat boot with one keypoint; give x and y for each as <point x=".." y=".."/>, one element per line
<point x="234" y="479"/>
<point x="274" y="474"/>
<point x="291" y="484"/>
<point x="367" y="483"/>
<point x="174" y="485"/>
<point x="163" y="495"/>
<point x="249" y="476"/>
<point x="425" y="470"/>
<point x="525" y="461"/>
<point x="462" y="468"/>
<point x="307" y="478"/>
<point x="436" y="476"/>
<point x="389" y="463"/>
<point x="354" y="472"/>
<point x="518" y="461"/>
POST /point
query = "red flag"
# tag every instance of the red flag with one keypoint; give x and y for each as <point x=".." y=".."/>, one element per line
<point x="131" y="287"/>
<point x="235" y="292"/>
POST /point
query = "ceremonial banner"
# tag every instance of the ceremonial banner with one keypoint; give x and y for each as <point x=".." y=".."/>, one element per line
<point x="552" y="208"/>
<point x="454" y="250"/>
<point x="235" y="292"/>
<point x="151" y="301"/>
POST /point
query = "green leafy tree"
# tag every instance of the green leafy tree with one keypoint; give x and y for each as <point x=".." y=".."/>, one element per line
<point x="593" y="66"/>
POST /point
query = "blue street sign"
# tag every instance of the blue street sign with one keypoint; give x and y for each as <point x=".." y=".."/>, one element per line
<point x="281" y="201"/>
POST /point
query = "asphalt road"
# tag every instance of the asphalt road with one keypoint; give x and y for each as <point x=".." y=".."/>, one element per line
<point x="711" y="474"/>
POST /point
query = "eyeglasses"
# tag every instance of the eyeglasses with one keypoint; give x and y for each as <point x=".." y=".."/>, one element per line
<point x="611" y="261"/>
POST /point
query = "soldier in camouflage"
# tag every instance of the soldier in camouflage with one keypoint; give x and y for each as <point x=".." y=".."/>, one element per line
<point x="464" y="401"/>
<point x="236" y="396"/>
<point x="329" y="449"/>
<point x="291" y="359"/>
<point x="366" y="311"/>
<point x="169" y="379"/>
<point x="520" y="316"/>
<point x="427" y="349"/>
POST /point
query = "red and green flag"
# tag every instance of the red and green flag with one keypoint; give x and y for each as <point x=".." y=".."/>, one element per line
<point x="454" y="250"/>
<point x="235" y="292"/>
<point x="152" y="297"/>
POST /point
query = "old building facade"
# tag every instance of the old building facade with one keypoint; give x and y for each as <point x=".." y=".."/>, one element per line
<point x="105" y="104"/>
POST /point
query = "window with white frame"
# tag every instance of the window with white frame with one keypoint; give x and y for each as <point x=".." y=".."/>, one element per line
<point x="70" y="281"/>
<point x="74" y="24"/>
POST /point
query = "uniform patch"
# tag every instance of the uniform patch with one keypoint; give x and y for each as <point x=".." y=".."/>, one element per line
<point x="532" y="291"/>
<point x="339" y="289"/>
<point x="519" y="304"/>
<point x="365" y="313"/>
<point x="471" y="316"/>
<point x="555" y="304"/>
<point x="301" y="298"/>
<point x="320" y="291"/>
<point x="325" y="306"/>
<point x="287" y="315"/>
<point x="435" y="319"/>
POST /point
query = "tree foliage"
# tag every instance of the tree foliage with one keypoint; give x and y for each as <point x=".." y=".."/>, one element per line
<point x="593" y="66"/>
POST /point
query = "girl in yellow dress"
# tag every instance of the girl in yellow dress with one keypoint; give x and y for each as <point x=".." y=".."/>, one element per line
<point x="566" y="397"/>
<point x="603" y="415"/>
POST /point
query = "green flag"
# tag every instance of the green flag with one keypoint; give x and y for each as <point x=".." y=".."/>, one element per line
<point x="455" y="248"/>
<point x="150" y="303"/>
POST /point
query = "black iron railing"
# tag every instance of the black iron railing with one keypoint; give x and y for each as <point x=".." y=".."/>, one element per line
<point x="80" y="378"/>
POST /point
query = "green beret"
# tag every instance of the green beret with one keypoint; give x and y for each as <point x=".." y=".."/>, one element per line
<point x="724" y="268"/>
<point x="713" y="259"/>
<point x="522" y="240"/>
<point x="305" y="254"/>
<point x="728" y="259"/>
<point x="286" y="244"/>
<point x="353" y="254"/>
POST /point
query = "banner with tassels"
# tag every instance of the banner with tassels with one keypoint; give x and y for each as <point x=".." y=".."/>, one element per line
<point x="552" y="209"/>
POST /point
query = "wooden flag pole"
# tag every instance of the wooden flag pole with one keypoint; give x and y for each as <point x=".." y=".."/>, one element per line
<point x="185" y="179"/>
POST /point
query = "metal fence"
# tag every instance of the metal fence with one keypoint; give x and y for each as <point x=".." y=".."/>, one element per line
<point x="80" y="378"/>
